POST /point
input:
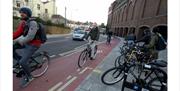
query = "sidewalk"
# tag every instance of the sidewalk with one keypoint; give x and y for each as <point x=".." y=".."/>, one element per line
<point x="93" y="81"/>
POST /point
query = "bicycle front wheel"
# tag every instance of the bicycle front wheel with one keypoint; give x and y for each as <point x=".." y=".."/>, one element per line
<point x="41" y="64"/>
<point x="82" y="58"/>
<point x="113" y="75"/>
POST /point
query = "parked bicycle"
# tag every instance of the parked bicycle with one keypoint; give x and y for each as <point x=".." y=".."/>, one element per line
<point x="38" y="63"/>
<point x="85" y="54"/>
<point x="154" y="80"/>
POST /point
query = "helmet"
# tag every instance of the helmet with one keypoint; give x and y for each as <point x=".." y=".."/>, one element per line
<point x="26" y="10"/>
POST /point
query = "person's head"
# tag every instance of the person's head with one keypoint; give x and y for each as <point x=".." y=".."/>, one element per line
<point x="94" y="25"/>
<point x="25" y="12"/>
<point x="147" y="31"/>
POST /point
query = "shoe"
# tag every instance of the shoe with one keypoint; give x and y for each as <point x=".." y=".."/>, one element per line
<point x="91" y="58"/>
<point x="26" y="80"/>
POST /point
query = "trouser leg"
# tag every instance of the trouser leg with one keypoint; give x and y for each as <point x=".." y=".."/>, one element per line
<point x="27" y="53"/>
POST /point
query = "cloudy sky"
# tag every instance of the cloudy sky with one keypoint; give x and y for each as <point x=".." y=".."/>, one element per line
<point x="84" y="10"/>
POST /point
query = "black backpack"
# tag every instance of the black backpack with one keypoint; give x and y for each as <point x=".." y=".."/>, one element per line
<point x="161" y="43"/>
<point x="41" y="33"/>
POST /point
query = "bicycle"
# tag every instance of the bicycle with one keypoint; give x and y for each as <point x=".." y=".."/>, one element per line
<point x="142" y="83"/>
<point x="85" y="54"/>
<point x="38" y="63"/>
<point x="108" y="41"/>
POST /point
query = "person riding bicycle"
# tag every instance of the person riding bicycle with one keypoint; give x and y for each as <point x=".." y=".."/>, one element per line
<point x="150" y="39"/>
<point x="25" y="37"/>
<point x="130" y="38"/>
<point x="94" y="36"/>
<point x="109" y="35"/>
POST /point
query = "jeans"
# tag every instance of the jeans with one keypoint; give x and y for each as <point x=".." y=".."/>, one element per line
<point x="93" y="54"/>
<point x="28" y="51"/>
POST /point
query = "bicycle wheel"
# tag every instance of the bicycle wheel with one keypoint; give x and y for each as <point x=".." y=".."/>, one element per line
<point x="112" y="76"/>
<point x="40" y="64"/>
<point x="119" y="61"/>
<point x="82" y="58"/>
<point x="157" y="84"/>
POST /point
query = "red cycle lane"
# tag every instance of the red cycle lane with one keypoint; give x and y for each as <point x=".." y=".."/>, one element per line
<point x="63" y="73"/>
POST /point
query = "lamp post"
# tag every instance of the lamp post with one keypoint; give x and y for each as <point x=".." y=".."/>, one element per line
<point x="65" y="16"/>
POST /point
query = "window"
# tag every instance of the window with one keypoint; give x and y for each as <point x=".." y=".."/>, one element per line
<point x="38" y="6"/>
<point x="18" y="4"/>
<point x="46" y="10"/>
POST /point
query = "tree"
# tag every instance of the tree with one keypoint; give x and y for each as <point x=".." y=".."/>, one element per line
<point x="102" y="25"/>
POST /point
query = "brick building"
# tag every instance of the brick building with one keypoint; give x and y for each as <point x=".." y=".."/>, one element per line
<point x="126" y="16"/>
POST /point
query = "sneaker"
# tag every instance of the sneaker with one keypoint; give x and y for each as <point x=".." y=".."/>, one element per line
<point x="91" y="58"/>
<point x="25" y="81"/>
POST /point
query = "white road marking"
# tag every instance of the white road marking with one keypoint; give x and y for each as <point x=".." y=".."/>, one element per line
<point x="52" y="56"/>
<point x="68" y="77"/>
<point x="55" y="87"/>
<point x="78" y="70"/>
<point x="85" y="70"/>
<point x="68" y="83"/>
<point x="99" y="51"/>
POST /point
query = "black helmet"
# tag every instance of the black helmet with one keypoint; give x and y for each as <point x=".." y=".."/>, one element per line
<point x="26" y="10"/>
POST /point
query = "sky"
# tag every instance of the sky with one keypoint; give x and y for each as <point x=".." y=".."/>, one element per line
<point x="84" y="10"/>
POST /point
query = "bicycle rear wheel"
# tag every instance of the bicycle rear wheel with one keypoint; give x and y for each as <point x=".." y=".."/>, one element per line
<point x="112" y="76"/>
<point x="40" y="64"/>
<point x="82" y="58"/>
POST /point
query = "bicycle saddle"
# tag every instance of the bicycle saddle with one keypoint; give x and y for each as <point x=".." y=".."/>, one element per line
<point x="159" y="63"/>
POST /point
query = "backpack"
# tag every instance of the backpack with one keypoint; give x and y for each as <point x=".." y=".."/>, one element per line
<point x="41" y="33"/>
<point x="161" y="43"/>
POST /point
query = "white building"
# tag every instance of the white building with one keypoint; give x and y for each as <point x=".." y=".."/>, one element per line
<point x="40" y="9"/>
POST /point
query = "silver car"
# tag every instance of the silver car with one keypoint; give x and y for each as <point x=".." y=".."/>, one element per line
<point x="78" y="35"/>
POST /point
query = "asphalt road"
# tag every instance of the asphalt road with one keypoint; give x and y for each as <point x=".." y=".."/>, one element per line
<point x="63" y="44"/>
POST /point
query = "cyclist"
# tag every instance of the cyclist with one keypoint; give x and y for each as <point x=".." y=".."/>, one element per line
<point x="94" y="37"/>
<point x="25" y="37"/>
<point x="109" y="35"/>
<point x="130" y="38"/>
<point x="150" y="39"/>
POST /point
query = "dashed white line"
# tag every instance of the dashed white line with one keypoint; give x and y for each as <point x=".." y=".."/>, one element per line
<point x="55" y="87"/>
<point x="68" y="77"/>
<point x="68" y="83"/>
<point x="78" y="70"/>
<point x="85" y="70"/>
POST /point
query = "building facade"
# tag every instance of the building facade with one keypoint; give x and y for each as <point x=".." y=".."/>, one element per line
<point x="127" y="16"/>
<point x="44" y="10"/>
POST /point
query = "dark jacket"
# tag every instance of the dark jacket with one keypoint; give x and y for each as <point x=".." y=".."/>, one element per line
<point x="146" y="39"/>
<point x="94" y="34"/>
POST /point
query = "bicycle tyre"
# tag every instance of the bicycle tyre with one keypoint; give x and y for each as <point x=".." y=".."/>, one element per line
<point x="82" y="58"/>
<point x="118" y="61"/>
<point x="43" y="67"/>
<point x="117" y="78"/>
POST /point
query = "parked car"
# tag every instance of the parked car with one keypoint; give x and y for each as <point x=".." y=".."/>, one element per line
<point x="78" y="34"/>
